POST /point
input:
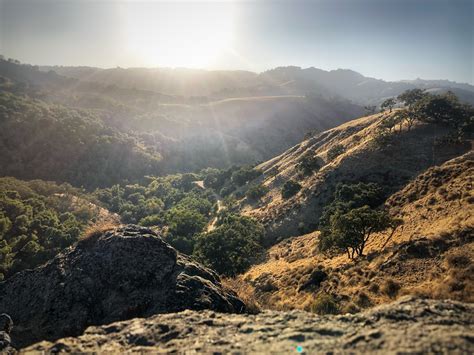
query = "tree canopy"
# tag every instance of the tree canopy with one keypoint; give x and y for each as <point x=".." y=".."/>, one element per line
<point x="37" y="220"/>
<point x="231" y="247"/>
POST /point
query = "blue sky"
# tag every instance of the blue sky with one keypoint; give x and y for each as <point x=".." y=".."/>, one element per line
<point x="387" y="39"/>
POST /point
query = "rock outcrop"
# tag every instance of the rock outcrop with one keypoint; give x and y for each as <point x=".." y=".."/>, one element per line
<point x="116" y="275"/>
<point x="409" y="325"/>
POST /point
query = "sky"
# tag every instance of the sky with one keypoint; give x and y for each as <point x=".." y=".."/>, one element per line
<point x="386" y="39"/>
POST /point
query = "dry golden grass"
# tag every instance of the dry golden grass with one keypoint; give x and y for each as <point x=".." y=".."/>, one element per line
<point x="431" y="255"/>
<point x="391" y="166"/>
<point x="244" y="291"/>
<point x="94" y="231"/>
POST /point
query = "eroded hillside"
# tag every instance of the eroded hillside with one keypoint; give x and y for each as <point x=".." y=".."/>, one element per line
<point x="352" y="152"/>
<point x="430" y="254"/>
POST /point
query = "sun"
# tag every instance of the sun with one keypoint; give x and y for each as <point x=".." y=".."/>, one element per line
<point x="179" y="34"/>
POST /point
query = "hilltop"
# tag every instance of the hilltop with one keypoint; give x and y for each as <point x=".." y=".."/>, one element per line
<point x="288" y="80"/>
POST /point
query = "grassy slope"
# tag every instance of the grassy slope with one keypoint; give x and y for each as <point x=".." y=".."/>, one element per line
<point x="431" y="255"/>
<point x="391" y="166"/>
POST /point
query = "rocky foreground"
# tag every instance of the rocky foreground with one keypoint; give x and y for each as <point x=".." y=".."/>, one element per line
<point x="110" y="276"/>
<point x="128" y="290"/>
<point x="406" y="326"/>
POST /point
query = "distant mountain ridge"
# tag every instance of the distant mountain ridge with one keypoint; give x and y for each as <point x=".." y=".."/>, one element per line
<point x="289" y="80"/>
<point x="188" y="132"/>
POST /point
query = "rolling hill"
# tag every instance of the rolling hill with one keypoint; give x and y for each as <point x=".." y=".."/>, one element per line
<point x="289" y="80"/>
<point x="392" y="163"/>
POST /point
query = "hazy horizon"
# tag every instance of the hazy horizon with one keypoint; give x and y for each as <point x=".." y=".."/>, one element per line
<point x="388" y="40"/>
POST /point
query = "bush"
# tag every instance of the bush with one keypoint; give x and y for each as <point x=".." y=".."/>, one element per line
<point x="244" y="175"/>
<point x="290" y="188"/>
<point x="324" y="304"/>
<point x="231" y="247"/>
<point x="309" y="163"/>
<point x="374" y="288"/>
<point x="227" y="190"/>
<point x="390" y="288"/>
<point x="383" y="139"/>
<point x="335" y="151"/>
<point x="363" y="300"/>
<point x="184" y="222"/>
<point x="459" y="260"/>
<point x="149" y="221"/>
<point x="256" y="192"/>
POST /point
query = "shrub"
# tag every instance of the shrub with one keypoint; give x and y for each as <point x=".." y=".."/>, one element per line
<point x="390" y="288"/>
<point x="256" y="192"/>
<point x="244" y="175"/>
<point x="335" y="151"/>
<point x="382" y="139"/>
<point x="363" y="300"/>
<point x="459" y="260"/>
<point x="185" y="222"/>
<point x="290" y="188"/>
<point x="324" y="303"/>
<point x="309" y="163"/>
<point x="231" y="247"/>
<point x="96" y="230"/>
<point x="350" y="308"/>
<point x="374" y="288"/>
<point x="153" y="220"/>
<point x="227" y="190"/>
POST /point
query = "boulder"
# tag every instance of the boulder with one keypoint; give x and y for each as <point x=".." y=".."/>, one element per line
<point x="116" y="275"/>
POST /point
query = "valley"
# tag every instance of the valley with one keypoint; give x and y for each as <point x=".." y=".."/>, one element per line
<point x="240" y="210"/>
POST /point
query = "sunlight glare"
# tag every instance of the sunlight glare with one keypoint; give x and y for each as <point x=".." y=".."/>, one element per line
<point x="179" y="35"/>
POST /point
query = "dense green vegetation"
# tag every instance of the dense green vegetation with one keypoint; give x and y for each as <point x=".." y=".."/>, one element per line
<point x="181" y="210"/>
<point x="244" y="175"/>
<point x="37" y="220"/>
<point x="232" y="247"/>
<point x="174" y="203"/>
<point x="50" y="142"/>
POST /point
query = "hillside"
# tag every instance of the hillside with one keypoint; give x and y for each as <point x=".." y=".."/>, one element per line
<point x="52" y="142"/>
<point x="188" y="132"/>
<point x="430" y="255"/>
<point x="357" y="153"/>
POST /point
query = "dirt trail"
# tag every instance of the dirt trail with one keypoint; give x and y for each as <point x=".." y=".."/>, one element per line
<point x="220" y="206"/>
